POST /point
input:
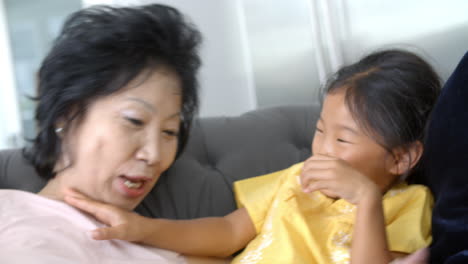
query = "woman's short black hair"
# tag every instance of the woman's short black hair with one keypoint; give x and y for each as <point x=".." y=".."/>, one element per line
<point x="391" y="94"/>
<point x="98" y="51"/>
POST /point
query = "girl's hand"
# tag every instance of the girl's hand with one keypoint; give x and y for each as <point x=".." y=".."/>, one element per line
<point x="336" y="179"/>
<point x="419" y="257"/>
<point x="123" y="225"/>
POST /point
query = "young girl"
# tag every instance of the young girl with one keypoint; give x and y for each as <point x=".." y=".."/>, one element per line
<point x="348" y="202"/>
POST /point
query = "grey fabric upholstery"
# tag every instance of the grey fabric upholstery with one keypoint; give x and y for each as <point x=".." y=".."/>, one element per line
<point x="16" y="173"/>
<point x="220" y="151"/>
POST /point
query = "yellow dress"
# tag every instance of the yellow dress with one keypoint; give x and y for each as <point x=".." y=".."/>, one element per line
<point x="295" y="227"/>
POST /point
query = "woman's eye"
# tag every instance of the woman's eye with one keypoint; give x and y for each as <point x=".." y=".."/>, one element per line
<point x="134" y="121"/>
<point x="171" y="133"/>
<point x="319" y="130"/>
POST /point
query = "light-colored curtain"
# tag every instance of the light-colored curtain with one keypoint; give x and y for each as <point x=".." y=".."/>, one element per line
<point x="328" y="26"/>
<point x="10" y="127"/>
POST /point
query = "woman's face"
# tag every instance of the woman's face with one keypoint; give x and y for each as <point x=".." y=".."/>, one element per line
<point x="125" y="141"/>
<point x="338" y="135"/>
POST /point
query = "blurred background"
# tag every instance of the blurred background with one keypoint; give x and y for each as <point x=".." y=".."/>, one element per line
<point x="256" y="53"/>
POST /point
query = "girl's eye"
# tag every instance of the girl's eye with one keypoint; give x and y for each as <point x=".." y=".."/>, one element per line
<point x="318" y="130"/>
<point x="171" y="133"/>
<point x="135" y="121"/>
<point x="342" y="140"/>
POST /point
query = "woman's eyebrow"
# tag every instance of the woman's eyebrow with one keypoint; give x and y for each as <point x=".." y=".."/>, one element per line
<point x="144" y="103"/>
<point x="150" y="107"/>
<point x="174" y="116"/>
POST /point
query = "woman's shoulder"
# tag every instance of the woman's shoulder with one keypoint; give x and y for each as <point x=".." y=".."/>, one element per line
<point x="16" y="206"/>
<point x="13" y="198"/>
<point x="30" y="207"/>
<point x="9" y="197"/>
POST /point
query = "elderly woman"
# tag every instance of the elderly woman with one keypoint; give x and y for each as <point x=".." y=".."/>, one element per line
<point x="116" y="98"/>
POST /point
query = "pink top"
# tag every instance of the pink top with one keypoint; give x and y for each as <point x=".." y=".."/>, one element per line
<point x="35" y="229"/>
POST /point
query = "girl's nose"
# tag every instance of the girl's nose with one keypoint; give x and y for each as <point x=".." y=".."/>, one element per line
<point x="326" y="148"/>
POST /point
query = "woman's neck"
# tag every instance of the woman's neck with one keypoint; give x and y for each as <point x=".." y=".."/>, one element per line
<point x="53" y="190"/>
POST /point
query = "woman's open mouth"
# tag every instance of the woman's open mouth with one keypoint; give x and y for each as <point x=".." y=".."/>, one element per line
<point x="132" y="186"/>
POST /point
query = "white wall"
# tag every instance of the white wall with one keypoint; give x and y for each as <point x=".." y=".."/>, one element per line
<point x="437" y="30"/>
<point x="10" y="127"/>
<point x="283" y="50"/>
<point x="226" y="79"/>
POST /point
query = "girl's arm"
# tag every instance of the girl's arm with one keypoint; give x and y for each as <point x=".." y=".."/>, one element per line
<point x="369" y="238"/>
<point x="211" y="236"/>
<point x="211" y="260"/>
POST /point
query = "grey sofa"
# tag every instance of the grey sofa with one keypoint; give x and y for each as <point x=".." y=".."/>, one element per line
<point x="220" y="151"/>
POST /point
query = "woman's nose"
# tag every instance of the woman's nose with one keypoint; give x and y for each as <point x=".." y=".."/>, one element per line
<point x="149" y="151"/>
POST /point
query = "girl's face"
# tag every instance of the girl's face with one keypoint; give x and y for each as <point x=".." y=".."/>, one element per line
<point x="339" y="136"/>
<point x="125" y="141"/>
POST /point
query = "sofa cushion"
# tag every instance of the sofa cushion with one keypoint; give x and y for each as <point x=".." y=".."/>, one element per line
<point x="17" y="173"/>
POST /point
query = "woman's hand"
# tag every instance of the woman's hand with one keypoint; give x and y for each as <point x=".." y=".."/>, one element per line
<point x="122" y="224"/>
<point x="336" y="179"/>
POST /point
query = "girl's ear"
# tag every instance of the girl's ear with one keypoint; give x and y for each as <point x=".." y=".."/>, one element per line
<point x="406" y="159"/>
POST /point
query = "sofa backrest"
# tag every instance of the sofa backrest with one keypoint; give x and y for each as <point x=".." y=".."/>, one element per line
<point x="220" y="151"/>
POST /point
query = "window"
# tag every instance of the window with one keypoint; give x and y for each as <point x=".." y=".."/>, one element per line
<point x="31" y="27"/>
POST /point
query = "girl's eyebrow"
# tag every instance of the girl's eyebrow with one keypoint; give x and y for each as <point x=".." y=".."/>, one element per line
<point x="347" y="128"/>
<point x="342" y="127"/>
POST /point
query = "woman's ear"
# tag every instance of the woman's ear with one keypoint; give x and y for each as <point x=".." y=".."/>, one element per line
<point x="63" y="133"/>
<point x="60" y="128"/>
<point x="406" y="159"/>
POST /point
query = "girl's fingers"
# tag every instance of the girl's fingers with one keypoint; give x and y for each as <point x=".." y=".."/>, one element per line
<point x="318" y="164"/>
<point x="107" y="233"/>
<point x="322" y="162"/>
<point x="315" y="174"/>
<point x="419" y="257"/>
<point x="115" y="218"/>
<point x="316" y="186"/>
<point x="321" y="157"/>
<point x="96" y="209"/>
<point x="74" y="193"/>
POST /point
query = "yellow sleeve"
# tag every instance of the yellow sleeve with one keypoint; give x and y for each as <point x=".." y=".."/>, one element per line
<point x="256" y="194"/>
<point x="408" y="211"/>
